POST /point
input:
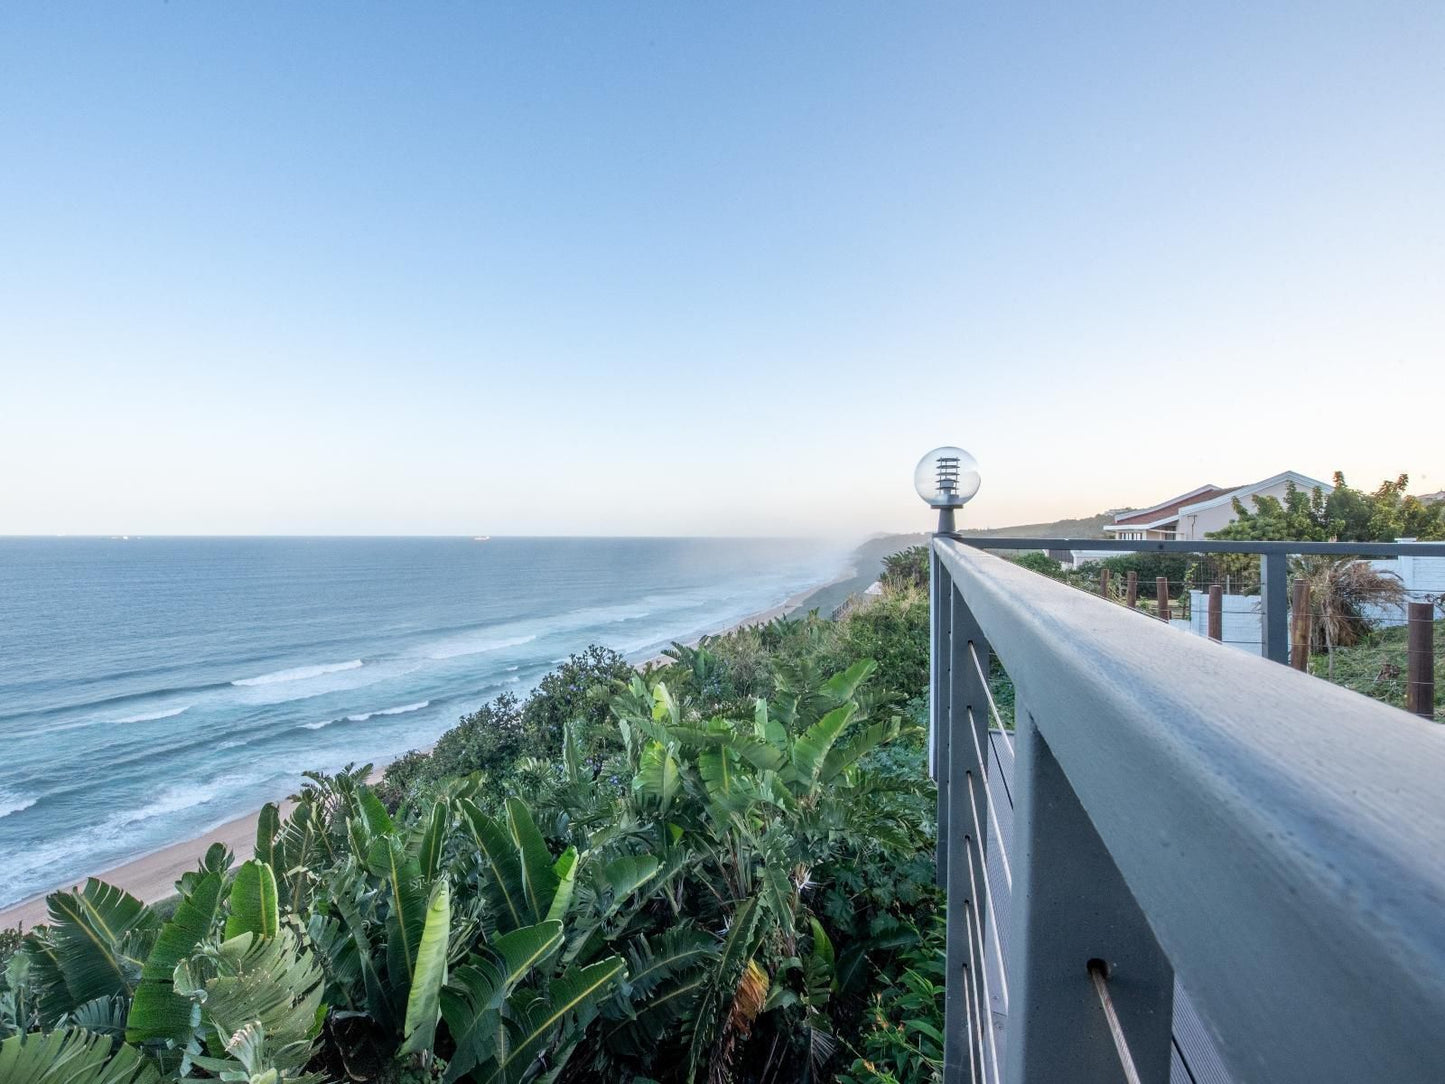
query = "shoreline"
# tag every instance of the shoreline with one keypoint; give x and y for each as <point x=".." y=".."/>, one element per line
<point x="151" y="877"/>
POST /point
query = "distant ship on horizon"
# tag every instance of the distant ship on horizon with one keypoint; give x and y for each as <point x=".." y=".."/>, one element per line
<point x="482" y="538"/>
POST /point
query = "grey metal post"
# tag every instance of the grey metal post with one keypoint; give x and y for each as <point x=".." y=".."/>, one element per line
<point x="939" y="584"/>
<point x="967" y="831"/>
<point x="1071" y="905"/>
<point x="1274" y="592"/>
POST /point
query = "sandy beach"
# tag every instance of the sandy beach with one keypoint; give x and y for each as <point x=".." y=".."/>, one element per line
<point x="152" y="877"/>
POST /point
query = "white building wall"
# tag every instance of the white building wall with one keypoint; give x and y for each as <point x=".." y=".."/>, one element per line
<point x="1241" y="620"/>
<point x="1197" y="525"/>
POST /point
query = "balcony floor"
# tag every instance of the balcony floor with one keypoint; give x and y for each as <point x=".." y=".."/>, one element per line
<point x="1194" y="1057"/>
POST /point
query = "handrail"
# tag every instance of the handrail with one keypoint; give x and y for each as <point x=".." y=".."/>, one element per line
<point x="1206" y="545"/>
<point x="1284" y="838"/>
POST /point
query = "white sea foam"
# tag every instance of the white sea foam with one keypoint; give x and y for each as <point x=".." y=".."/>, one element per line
<point x="300" y="673"/>
<point x="152" y="716"/>
<point x="365" y="715"/>
<point x="511" y="669"/>
<point x="403" y="710"/>
<point x="477" y="647"/>
<point x="13" y="803"/>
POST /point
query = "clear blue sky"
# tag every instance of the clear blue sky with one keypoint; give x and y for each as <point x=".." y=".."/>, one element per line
<point x="695" y="268"/>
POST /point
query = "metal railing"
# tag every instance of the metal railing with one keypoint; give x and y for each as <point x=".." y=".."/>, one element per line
<point x="1175" y="806"/>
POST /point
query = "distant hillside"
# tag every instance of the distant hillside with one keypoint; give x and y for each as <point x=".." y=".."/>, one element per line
<point x="868" y="558"/>
<point x="1087" y="527"/>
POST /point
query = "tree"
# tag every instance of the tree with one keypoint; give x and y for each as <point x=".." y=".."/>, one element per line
<point x="907" y="568"/>
<point x="579" y="689"/>
<point x="1343" y="515"/>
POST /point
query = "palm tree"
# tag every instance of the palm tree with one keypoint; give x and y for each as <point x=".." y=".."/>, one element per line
<point x="1346" y="595"/>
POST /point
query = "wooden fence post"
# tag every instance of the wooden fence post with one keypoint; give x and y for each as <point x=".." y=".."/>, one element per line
<point x="1131" y="594"/>
<point x="1104" y="582"/>
<point x="1216" y="612"/>
<point x="1161" y="595"/>
<point x="1300" y="640"/>
<point x="1420" y="690"/>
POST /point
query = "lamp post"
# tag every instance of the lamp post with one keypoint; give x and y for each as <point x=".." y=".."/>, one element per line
<point x="946" y="478"/>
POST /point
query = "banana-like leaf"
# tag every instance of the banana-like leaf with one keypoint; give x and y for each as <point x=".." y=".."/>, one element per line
<point x="818" y="968"/>
<point x="434" y="840"/>
<point x="842" y="686"/>
<point x="158" y="1013"/>
<point x="565" y="869"/>
<point x="664" y="706"/>
<point x="102" y="1016"/>
<point x="71" y="1056"/>
<point x="472" y="1001"/>
<point x="625" y="875"/>
<point x="255" y="907"/>
<point x="550" y="1025"/>
<point x="406" y="898"/>
<point x="377" y="1003"/>
<point x="842" y="757"/>
<point x="539" y="882"/>
<point x="729" y="787"/>
<point x="268" y="827"/>
<point x="500" y="869"/>
<point x="377" y="818"/>
<point x="766" y="728"/>
<point x="101" y="936"/>
<point x="659" y="776"/>
<point x="810" y="750"/>
<point x="423" y="1005"/>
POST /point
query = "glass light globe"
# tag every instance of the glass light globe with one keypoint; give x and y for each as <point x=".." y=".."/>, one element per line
<point x="946" y="478"/>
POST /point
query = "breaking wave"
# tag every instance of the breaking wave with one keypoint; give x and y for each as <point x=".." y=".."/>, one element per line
<point x="300" y="673"/>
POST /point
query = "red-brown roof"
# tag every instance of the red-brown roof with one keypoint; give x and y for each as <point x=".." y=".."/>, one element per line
<point x="1171" y="507"/>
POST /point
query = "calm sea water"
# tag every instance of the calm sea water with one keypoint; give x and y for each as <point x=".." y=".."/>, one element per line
<point x="152" y="689"/>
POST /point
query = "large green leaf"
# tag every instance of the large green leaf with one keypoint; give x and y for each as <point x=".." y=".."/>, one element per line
<point x="472" y="1001"/>
<point x="565" y="869"/>
<point x="158" y="1012"/>
<point x="842" y="757"/>
<point x="101" y="936"/>
<point x="254" y="904"/>
<point x="550" y="1025"/>
<point x="71" y="1056"/>
<point x="499" y="867"/>
<point x="623" y="876"/>
<point x="842" y="686"/>
<point x="539" y="881"/>
<point x="810" y="750"/>
<point x="268" y="827"/>
<point x="423" y="1006"/>
<point x="406" y="896"/>
<point x="434" y="840"/>
<point x="659" y="775"/>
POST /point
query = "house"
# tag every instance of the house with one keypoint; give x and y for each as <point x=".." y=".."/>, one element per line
<point x="1195" y="515"/>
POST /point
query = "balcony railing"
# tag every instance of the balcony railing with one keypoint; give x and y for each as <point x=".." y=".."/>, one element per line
<point x="1170" y="859"/>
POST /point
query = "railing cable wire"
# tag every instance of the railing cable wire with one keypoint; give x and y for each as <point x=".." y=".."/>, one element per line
<point x="988" y="794"/>
<point x="992" y="704"/>
<point x="1099" y="973"/>
<point x="975" y="934"/>
<point x="973" y="1023"/>
<point x="988" y="896"/>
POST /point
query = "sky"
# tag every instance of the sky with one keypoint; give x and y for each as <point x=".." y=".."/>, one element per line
<point x="656" y="268"/>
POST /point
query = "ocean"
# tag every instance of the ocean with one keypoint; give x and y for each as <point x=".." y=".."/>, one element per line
<point x="154" y="688"/>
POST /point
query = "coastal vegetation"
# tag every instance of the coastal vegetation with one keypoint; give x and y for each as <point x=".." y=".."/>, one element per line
<point x="717" y="869"/>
